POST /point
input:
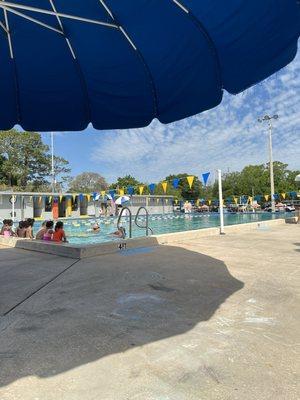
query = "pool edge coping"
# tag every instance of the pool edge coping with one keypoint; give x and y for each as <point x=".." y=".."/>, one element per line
<point x="93" y="250"/>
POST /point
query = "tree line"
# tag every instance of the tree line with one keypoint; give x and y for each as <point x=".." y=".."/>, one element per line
<point x="25" y="164"/>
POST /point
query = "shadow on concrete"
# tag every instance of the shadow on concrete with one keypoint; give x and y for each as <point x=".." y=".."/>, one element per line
<point x="23" y="272"/>
<point x="107" y="305"/>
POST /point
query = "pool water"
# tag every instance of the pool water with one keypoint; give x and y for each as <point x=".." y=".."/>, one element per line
<point x="78" y="231"/>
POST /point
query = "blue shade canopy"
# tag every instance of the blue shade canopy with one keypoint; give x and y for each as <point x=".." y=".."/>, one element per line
<point x="121" y="63"/>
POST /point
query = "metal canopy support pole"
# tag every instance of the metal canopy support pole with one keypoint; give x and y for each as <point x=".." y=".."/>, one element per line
<point x="221" y="210"/>
<point x="52" y="163"/>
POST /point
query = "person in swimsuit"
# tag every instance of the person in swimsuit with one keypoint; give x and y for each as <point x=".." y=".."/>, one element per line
<point x="7" y="228"/>
<point x="59" y="233"/>
<point x="29" y="229"/>
<point x="48" y="234"/>
<point x="39" y="235"/>
<point x="22" y="229"/>
<point x="120" y="233"/>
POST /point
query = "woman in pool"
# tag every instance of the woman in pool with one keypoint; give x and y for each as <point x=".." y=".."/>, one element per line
<point x="59" y="233"/>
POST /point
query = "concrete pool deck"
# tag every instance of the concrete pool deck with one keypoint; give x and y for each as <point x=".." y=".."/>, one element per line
<point x="212" y="317"/>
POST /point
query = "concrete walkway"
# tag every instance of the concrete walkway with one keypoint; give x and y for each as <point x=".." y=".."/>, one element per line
<point x="216" y="318"/>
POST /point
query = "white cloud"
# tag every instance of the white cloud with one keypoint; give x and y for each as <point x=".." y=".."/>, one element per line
<point x="228" y="136"/>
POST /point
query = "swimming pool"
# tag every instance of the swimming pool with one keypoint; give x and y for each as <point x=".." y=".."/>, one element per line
<point x="78" y="230"/>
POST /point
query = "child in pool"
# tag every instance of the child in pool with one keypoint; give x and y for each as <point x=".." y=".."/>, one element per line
<point x="22" y="229"/>
<point x="7" y="228"/>
<point x="48" y="233"/>
<point x="29" y="229"/>
<point x="59" y="233"/>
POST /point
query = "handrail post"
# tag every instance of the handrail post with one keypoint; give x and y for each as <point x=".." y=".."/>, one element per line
<point x="147" y="220"/>
<point x="130" y="220"/>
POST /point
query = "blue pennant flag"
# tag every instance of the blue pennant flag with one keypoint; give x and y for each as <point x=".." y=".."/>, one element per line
<point x="151" y="187"/>
<point x="176" y="182"/>
<point x="130" y="190"/>
<point x="95" y="194"/>
<point x="205" y="177"/>
<point x="112" y="193"/>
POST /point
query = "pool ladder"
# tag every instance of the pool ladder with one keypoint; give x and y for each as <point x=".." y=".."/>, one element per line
<point x="146" y="227"/>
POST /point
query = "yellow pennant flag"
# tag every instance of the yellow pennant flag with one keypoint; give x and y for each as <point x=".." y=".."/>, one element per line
<point x="141" y="189"/>
<point x="164" y="186"/>
<point x="176" y="201"/>
<point x="60" y="198"/>
<point x="121" y="192"/>
<point x="103" y="193"/>
<point x="88" y="196"/>
<point x="266" y="196"/>
<point x="250" y="199"/>
<point x="74" y="197"/>
<point x="50" y="199"/>
<point x="197" y="202"/>
<point x="190" y="180"/>
<point x="283" y="195"/>
<point x="235" y="200"/>
<point x="209" y="202"/>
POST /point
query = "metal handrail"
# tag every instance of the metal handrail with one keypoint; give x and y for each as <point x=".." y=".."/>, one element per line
<point x="130" y="220"/>
<point x="147" y="227"/>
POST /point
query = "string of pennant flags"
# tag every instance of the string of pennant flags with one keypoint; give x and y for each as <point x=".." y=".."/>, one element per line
<point x="174" y="183"/>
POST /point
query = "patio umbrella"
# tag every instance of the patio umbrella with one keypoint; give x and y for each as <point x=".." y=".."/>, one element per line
<point x="120" y="64"/>
<point x="122" y="200"/>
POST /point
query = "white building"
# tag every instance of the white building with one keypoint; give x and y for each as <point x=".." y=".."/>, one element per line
<point x="21" y="205"/>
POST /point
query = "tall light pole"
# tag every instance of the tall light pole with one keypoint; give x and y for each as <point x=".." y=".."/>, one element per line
<point x="268" y="119"/>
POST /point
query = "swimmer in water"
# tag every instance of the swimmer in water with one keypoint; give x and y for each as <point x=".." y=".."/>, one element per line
<point x="95" y="228"/>
<point x="120" y="233"/>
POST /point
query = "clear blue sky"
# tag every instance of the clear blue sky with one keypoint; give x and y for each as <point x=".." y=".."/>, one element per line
<point x="227" y="137"/>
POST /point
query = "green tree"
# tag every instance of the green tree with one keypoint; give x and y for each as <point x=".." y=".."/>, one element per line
<point x="125" y="181"/>
<point x="184" y="191"/>
<point x="88" y="182"/>
<point x="25" y="160"/>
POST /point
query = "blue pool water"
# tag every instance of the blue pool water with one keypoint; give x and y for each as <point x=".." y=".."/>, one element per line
<point x="78" y="230"/>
